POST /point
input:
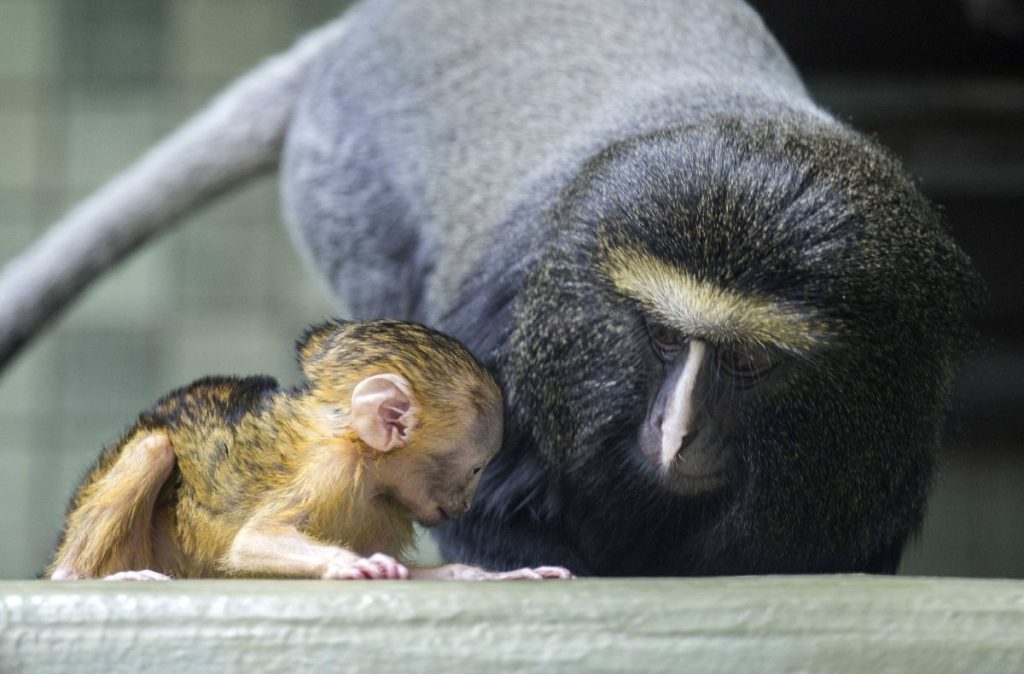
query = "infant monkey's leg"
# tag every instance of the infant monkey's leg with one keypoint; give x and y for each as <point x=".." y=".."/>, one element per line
<point x="110" y="529"/>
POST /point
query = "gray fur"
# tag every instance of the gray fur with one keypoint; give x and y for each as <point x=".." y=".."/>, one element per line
<point x="453" y="110"/>
<point x="425" y="126"/>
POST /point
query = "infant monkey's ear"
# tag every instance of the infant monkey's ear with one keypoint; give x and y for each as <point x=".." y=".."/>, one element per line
<point x="382" y="412"/>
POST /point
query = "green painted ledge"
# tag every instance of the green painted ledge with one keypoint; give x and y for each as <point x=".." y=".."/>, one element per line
<point x="750" y="624"/>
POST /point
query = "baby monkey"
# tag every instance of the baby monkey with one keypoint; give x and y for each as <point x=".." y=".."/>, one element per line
<point x="235" y="477"/>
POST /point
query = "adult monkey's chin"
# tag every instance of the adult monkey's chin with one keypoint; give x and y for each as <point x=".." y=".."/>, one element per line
<point x="695" y="468"/>
<point x="686" y="484"/>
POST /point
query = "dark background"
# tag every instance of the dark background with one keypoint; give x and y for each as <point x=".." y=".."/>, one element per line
<point x="941" y="83"/>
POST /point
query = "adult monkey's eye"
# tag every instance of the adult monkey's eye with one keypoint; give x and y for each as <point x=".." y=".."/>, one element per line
<point x="667" y="343"/>
<point x="747" y="363"/>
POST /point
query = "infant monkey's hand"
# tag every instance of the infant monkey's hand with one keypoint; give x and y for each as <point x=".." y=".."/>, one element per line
<point x="464" y="572"/>
<point x="374" y="567"/>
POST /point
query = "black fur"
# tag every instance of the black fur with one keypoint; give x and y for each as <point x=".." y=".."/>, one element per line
<point x="835" y="465"/>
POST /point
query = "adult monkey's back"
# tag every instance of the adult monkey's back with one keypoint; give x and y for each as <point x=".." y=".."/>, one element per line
<point x="724" y="322"/>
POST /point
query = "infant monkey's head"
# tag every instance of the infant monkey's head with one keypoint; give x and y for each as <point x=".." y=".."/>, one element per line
<point x="418" y="399"/>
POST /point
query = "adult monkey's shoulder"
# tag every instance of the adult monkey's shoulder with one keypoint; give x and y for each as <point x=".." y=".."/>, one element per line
<point x="442" y="118"/>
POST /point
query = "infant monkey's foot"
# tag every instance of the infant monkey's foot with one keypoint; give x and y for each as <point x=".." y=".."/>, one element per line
<point x="375" y="567"/>
<point x="64" y="573"/>
<point x="143" y="574"/>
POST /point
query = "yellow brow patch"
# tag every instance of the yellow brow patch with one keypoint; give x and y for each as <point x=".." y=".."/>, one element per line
<point x="700" y="308"/>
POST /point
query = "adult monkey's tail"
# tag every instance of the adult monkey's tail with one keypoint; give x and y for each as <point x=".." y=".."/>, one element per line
<point x="237" y="136"/>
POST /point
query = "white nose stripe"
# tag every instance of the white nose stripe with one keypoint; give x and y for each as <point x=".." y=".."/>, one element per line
<point x="678" y="418"/>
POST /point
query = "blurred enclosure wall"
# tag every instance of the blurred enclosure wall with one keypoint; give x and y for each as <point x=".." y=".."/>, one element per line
<point x="86" y="85"/>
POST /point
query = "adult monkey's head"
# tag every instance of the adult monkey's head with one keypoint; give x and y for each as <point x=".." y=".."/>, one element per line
<point x="754" y="322"/>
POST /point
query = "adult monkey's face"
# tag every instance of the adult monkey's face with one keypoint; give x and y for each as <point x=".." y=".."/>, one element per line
<point x="755" y="307"/>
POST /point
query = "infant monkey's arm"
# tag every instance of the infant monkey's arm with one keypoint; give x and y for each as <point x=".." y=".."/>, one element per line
<point x="266" y="548"/>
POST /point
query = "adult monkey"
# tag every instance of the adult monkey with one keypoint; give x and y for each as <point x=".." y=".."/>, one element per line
<point x="723" y="321"/>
